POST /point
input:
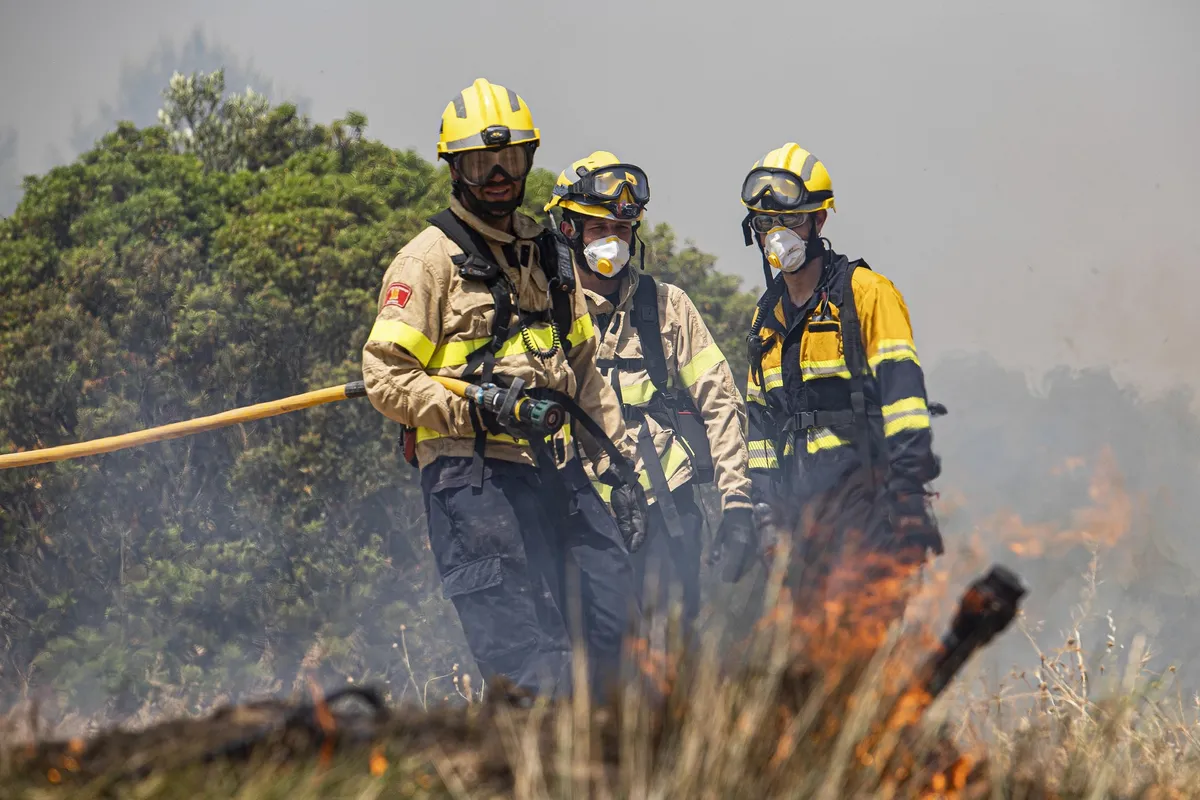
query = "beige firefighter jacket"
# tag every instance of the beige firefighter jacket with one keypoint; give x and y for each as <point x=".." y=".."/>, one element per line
<point x="694" y="362"/>
<point x="431" y="319"/>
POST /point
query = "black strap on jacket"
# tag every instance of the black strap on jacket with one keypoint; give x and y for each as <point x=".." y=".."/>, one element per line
<point x="645" y="322"/>
<point x="756" y="348"/>
<point x="476" y="263"/>
<point x="856" y="363"/>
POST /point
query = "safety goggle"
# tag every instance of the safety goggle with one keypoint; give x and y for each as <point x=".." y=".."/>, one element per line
<point x="765" y="222"/>
<point x="607" y="184"/>
<point x="768" y="189"/>
<point x="478" y="167"/>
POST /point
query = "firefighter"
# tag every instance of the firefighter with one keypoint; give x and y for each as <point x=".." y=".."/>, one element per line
<point x="680" y="402"/>
<point x="834" y="384"/>
<point x="486" y="294"/>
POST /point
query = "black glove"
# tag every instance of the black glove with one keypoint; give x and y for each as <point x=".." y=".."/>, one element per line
<point x="735" y="544"/>
<point x="630" y="508"/>
<point x="913" y="528"/>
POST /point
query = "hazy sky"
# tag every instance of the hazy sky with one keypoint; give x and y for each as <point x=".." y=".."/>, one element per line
<point x="1026" y="172"/>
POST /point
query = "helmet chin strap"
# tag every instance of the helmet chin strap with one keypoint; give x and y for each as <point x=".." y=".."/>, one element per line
<point x="816" y="243"/>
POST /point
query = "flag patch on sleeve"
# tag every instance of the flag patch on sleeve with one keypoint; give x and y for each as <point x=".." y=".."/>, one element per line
<point x="397" y="295"/>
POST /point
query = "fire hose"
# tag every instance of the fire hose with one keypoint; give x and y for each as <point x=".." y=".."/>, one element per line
<point x="510" y="405"/>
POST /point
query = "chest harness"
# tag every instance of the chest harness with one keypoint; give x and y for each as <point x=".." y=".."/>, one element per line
<point x="671" y="407"/>
<point x="476" y="263"/>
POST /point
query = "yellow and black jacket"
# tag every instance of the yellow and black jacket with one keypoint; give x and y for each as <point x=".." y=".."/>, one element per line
<point x="809" y="377"/>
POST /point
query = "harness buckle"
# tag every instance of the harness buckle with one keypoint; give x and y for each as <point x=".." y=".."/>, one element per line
<point x="471" y="268"/>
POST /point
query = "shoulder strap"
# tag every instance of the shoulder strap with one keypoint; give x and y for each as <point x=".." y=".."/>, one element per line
<point x="645" y="322"/>
<point x="554" y="257"/>
<point x="856" y="363"/>
<point x="856" y="360"/>
<point x="477" y="264"/>
<point x="470" y="241"/>
<point x="755" y="348"/>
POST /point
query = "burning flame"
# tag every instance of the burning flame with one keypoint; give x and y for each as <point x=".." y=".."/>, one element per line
<point x="658" y="667"/>
<point x="324" y="719"/>
<point x="1104" y="523"/>
<point x="378" y="762"/>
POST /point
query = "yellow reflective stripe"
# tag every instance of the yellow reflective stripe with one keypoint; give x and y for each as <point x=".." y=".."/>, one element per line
<point x="672" y="461"/>
<point x="894" y="350"/>
<point x="908" y="414"/>
<point x="405" y="335"/>
<point x="754" y="394"/>
<point x="701" y="363"/>
<point x="824" y="439"/>
<point x="427" y="434"/>
<point x="762" y="454"/>
<point x="581" y="330"/>
<point x="455" y="354"/>
<point x="833" y="368"/>
<point x="773" y="378"/>
<point x="637" y="394"/>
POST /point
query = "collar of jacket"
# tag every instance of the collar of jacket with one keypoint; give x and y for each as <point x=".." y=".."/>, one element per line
<point x="599" y="304"/>
<point x="523" y="226"/>
<point x="830" y="273"/>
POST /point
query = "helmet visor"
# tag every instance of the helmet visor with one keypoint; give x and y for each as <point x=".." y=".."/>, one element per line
<point x="622" y="189"/>
<point x="773" y="190"/>
<point x="608" y="183"/>
<point x="477" y="167"/>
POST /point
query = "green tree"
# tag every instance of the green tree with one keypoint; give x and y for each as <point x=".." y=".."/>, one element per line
<point x="229" y="255"/>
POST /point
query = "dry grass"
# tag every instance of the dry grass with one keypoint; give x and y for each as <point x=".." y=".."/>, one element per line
<point x="803" y="707"/>
<point x="769" y="726"/>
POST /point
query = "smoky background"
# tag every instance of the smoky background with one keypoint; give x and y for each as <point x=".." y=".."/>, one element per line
<point x="1025" y="173"/>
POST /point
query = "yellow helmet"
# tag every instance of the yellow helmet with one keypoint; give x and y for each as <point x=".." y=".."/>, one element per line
<point x="603" y="186"/>
<point x="788" y="179"/>
<point x="485" y="115"/>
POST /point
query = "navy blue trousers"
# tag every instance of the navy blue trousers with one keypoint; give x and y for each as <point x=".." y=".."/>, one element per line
<point x="667" y="564"/>
<point x="532" y="563"/>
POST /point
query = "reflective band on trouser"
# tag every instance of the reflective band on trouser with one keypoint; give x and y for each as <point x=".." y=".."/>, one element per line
<point x="893" y="350"/>
<point x="671" y="461"/>
<point x="404" y="335"/>
<point x="701" y="363"/>
<point x="908" y="414"/>
<point x="762" y="454"/>
<point x="456" y="354"/>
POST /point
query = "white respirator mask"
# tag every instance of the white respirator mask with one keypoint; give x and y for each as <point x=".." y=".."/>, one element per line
<point x="785" y="249"/>
<point x="608" y="256"/>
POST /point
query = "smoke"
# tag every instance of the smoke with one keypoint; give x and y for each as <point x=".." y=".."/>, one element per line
<point x="139" y="95"/>
<point x="10" y="185"/>
<point x="1084" y="487"/>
